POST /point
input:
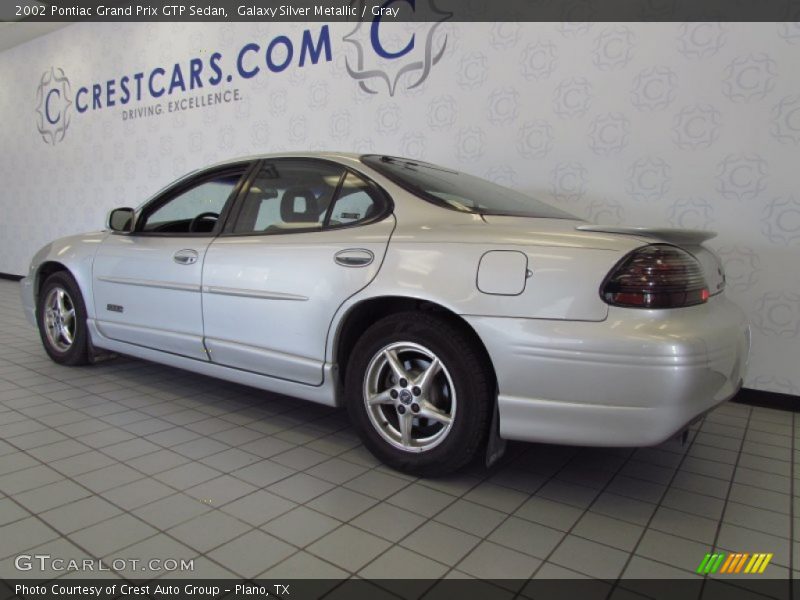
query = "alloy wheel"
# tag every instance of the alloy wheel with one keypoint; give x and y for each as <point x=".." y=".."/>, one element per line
<point x="59" y="319"/>
<point x="410" y="397"/>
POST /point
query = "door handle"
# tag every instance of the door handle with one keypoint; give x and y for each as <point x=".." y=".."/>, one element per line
<point x="186" y="256"/>
<point x="354" y="257"/>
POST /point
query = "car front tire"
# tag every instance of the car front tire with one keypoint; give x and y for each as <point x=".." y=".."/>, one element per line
<point x="418" y="390"/>
<point x="61" y="316"/>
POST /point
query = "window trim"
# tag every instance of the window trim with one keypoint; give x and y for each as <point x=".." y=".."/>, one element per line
<point x="245" y="169"/>
<point x="386" y="209"/>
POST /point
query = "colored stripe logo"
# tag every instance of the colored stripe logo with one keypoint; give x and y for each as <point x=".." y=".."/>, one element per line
<point x="734" y="563"/>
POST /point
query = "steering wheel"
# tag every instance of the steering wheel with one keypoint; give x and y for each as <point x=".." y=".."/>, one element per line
<point x="196" y="221"/>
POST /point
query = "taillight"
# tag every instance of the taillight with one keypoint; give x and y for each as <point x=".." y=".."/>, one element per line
<point x="656" y="276"/>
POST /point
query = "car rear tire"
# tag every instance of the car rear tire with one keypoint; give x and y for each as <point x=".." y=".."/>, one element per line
<point x="61" y="316"/>
<point x="418" y="391"/>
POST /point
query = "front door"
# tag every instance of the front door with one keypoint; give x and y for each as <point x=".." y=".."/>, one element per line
<point x="147" y="283"/>
<point x="307" y="235"/>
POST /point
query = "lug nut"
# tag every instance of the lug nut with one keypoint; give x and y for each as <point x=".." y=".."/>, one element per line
<point x="403" y="382"/>
<point x="416" y="391"/>
<point x="415" y="408"/>
<point x="401" y="410"/>
<point x="393" y="393"/>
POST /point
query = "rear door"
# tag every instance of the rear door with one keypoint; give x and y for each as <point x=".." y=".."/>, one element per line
<point x="307" y="235"/>
<point x="147" y="283"/>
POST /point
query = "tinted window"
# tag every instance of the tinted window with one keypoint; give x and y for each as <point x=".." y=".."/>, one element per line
<point x="288" y="195"/>
<point x="182" y="213"/>
<point x="459" y="191"/>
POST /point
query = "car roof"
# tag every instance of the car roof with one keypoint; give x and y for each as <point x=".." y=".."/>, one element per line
<point x="314" y="154"/>
<point x="249" y="158"/>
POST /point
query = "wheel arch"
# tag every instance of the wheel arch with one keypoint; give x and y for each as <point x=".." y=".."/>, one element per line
<point x="361" y="315"/>
<point x="44" y="271"/>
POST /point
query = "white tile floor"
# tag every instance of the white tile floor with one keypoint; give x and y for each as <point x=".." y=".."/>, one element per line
<point x="130" y="459"/>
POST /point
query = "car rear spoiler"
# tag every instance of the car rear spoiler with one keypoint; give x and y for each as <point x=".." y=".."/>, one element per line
<point x="689" y="237"/>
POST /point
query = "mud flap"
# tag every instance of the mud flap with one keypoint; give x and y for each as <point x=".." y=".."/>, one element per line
<point x="98" y="355"/>
<point x="496" y="446"/>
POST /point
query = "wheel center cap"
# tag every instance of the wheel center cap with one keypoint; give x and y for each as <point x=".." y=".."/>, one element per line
<point x="405" y="396"/>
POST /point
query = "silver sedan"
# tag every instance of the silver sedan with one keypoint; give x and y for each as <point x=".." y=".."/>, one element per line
<point x="446" y="313"/>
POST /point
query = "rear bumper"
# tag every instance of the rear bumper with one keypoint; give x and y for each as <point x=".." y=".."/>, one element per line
<point x="634" y="379"/>
<point x="26" y="292"/>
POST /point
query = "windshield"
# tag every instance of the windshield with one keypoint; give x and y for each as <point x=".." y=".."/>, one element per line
<point x="459" y="191"/>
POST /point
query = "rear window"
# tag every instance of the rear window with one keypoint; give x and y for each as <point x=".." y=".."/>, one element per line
<point x="459" y="191"/>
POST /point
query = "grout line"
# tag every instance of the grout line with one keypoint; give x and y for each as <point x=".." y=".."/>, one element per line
<point x="159" y="530"/>
<point x="586" y="510"/>
<point x="202" y="460"/>
<point x="130" y="513"/>
<point x="647" y="526"/>
<point x="181" y="491"/>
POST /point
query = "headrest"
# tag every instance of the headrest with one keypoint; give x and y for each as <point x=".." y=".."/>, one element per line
<point x="304" y="210"/>
<point x="267" y="194"/>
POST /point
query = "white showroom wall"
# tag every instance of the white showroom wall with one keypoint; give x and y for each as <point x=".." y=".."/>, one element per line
<point x="685" y="125"/>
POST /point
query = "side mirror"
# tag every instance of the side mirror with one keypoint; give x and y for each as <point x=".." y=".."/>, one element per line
<point x="121" y="219"/>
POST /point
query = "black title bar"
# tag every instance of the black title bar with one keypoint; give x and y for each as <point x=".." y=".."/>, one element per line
<point x="428" y="589"/>
<point x="399" y="10"/>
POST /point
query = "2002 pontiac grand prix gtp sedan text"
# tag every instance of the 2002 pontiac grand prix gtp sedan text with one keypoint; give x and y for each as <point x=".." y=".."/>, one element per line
<point x="442" y="310"/>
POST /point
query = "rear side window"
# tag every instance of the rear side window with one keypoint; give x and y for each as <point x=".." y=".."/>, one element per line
<point x="357" y="201"/>
<point x="289" y="195"/>
<point x="299" y="196"/>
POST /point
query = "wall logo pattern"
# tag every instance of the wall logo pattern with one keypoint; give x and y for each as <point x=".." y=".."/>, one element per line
<point x="657" y="124"/>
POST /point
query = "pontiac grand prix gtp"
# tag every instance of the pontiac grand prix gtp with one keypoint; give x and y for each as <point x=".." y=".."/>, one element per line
<point x="442" y="310"/>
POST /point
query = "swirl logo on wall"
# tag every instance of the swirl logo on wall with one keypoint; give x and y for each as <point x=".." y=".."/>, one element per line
<point x="383" y="64"/>
<point x="504" y="35"/>
<point x="691" y="213"/>
<point x="790" y="32"/>
<point x="442" y="112"/>
<point x="609" y="134"/>
<point x="539" y="60"/>
<point x="778" y="314"/>
<point x="786" y="120"/>
<point x="749" y="78"/>
<point x="605" y="212"/>
<point x="470" y="144"/>
<point x="780" y="221"/>
<point x="472" y="71"/>
<point x="742" y="267"/>
<point x="696" y="127"/>
<point x="535" y="139"/>
<point x="701" y="40"/>
<point x="649" y="178"/>
<point x="654" y="88"/>
<point x="503" y="106"/>
<point x="568" y="182"/>
<point x="613" y="48"/>
<point x="742" y="176"/>
<point x="572" y="97"/>
<point x="53" y="105"/>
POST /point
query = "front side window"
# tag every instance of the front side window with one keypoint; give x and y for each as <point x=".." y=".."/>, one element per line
<point x="192" y="210"/>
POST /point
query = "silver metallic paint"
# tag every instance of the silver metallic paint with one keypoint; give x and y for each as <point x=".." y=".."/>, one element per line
<point x="569" y="368"/>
